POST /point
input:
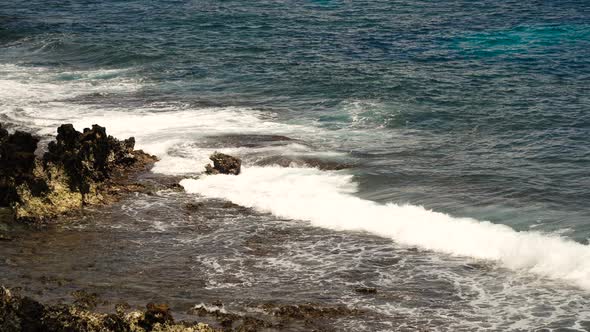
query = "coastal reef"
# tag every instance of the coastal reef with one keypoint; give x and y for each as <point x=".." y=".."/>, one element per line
<point x="77" y="169"/>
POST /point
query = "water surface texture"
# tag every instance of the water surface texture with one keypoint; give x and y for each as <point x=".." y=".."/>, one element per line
<point x="461" y="128"/>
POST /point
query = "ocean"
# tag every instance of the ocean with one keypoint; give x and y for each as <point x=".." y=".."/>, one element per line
<point x="436" y="150"/>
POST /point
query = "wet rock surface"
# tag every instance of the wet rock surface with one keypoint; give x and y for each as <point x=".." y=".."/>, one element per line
<point x="276" y="317"/>
<point x="156" y="314"/>
<point x="255" y="271"/>
<point x="17" y="161"/>
<point x="224" y="164"/>
<point x="18" y="313"/>
<point x="151" y="248"/>
<point x="23" y="313"/>
<point x="85" y="300"/>
<point x="78" y="169"/>
<point x="230" y="321"/>
<point x="309" y="311"/>
<point x="366" y="290"/>
<point x="117" y="261"/>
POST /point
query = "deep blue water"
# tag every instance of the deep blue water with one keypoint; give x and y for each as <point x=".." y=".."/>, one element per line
<point x="483" y="106"/>
<point x="478" y="108"/>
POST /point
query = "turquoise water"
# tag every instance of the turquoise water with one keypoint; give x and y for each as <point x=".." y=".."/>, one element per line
<point x="476" y="109"/>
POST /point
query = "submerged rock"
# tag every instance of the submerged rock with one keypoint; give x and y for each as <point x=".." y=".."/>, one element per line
<point x="310" y="311"/>
<point x="194" y="207"/>
<point x="366" y="290"/>
<point x="302" y="161"/>
<point x="77" y="169"/>
<point x="224" y="164"/>
<point x="231" y="321"/>
<point x="245" y="140"/>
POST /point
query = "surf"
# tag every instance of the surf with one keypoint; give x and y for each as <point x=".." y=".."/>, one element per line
<point x="326" y="199"/>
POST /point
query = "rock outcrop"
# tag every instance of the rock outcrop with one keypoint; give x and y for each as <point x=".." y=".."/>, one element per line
<point x="79" y="168"/>
<point x="224" y="164"/>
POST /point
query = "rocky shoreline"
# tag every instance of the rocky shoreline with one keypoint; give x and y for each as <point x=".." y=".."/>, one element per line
<point x="23" y="313"/>
<point x="77" y="169"/>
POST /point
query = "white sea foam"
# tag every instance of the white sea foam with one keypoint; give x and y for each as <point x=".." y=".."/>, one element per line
<point x="38" y="97"/>
<point x="21" y="86"/>
<point x="169" y="134"/>
<point x="326" y="200"/>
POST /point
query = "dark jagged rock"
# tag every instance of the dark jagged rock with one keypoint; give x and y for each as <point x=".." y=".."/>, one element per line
<point x="113" y="322"/>
<point x="156" y="314"/>
<point x="77" y="169"/>
<point x="224" y="164"/>
<point x="90" y="156"/>
<point x="3" y="132"/>
<point x="17" y="161"/>
<point x="19" y="313"/>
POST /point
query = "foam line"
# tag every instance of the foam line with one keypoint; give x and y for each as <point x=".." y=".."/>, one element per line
<point x="326" y="200"/>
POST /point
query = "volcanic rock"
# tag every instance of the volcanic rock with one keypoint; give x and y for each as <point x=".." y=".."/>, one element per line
<point x="224" y="164"/>
<point x="77" y="169"/>
<point x="19" y="313"/>
<point x="17" y="161"/>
